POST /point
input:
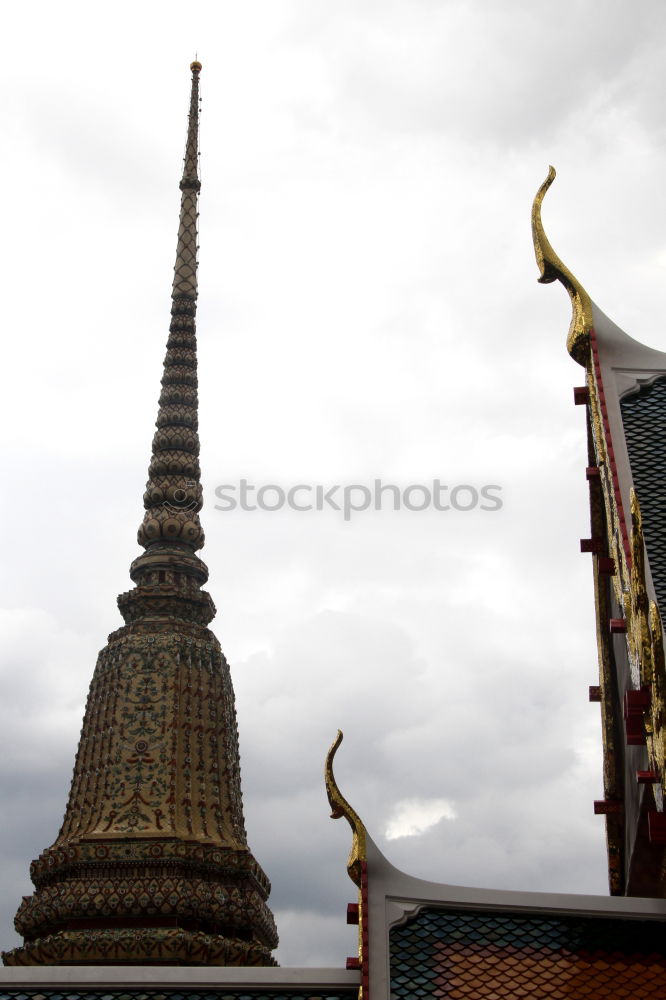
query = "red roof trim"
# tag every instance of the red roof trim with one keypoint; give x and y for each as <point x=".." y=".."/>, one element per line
<point x="365" y="943"/>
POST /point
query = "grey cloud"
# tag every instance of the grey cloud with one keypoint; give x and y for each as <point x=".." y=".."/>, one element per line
<point x="369" y="307"/>
<point x="462" y="68"/>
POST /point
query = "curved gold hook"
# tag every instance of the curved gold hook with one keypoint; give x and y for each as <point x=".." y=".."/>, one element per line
<point x="552" y="269"/>
<point x="340" y="807"/>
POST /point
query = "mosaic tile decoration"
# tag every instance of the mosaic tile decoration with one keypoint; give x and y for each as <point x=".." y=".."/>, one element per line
<point x="484" y="956"/>
<point x="644" y="420"/>
<point x="80" y="993"/>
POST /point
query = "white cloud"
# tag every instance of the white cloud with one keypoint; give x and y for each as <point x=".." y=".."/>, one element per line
<point x="412" y="817"/>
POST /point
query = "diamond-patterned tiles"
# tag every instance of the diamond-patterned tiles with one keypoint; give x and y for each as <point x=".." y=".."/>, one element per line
<point x="644" y="420"/>
<point x="484" y="956"/>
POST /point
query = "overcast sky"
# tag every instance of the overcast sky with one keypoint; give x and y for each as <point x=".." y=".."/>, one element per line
<point x="368" y="309"/>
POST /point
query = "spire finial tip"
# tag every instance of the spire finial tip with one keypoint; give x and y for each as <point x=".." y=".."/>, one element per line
<point x="195" y="66"/>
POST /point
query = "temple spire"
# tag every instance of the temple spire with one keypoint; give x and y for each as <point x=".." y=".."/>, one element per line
<point x="185" y="276"/>
<point x="151" y="864"/>
<point x="173" y="496"/>
<point x="169" y="575"/>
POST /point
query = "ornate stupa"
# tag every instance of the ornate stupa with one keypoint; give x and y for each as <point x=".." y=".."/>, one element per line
<point x="152" y="865"/>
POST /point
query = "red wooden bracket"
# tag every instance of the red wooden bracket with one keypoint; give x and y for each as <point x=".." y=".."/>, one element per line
<point x="581" y="395"/>
<point x="352" y="913"/>
<point x="592" y="473"/>
<point x="353" y="963"/>
<point x="607" y="807"/>
<point x="647" y="777"/>
<point x="606" y="565"/>
<point x="657" y="827"/>
<point x="635" y="731"/>
<point x="618" y="625"/>
<point x="595" y="692"/>
<point x="636" y="702"/>
<point x="591" y="544"/>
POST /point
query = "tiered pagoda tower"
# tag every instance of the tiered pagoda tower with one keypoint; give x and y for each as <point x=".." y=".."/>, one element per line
<point x="624" y="397"/>
<point x="151" y="865"/>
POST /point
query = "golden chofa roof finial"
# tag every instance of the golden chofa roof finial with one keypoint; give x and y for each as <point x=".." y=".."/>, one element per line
<point x="340" y="807"/>
<point x="552" y="269"/>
